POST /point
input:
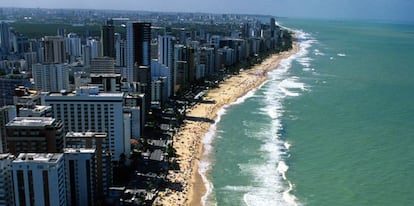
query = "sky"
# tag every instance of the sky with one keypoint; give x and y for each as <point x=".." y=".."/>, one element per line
<point x="399" y="10"/>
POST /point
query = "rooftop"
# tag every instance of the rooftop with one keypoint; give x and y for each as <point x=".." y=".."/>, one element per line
<point x="78" y="150"/>
<point x="31" y="121"/>
<point x="6" y="156"/>
<point x="86" y="135"/>
<point x="38" y="157"/>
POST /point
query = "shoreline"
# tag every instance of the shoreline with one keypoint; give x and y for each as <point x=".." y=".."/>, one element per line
<point x="188" y="141"/>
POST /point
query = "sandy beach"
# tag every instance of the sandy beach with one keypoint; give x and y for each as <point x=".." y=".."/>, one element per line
<point x="188" y="139"/>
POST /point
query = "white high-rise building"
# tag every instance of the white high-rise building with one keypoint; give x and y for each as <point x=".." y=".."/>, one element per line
<point x="89" y="110"/>
<point x="119" y="50"/>
<point x="6" y="181"/>
<point x="166" y="50"/>
<point x="73" y="46"/>
<point x="51" y="77"/>
<point x="159" y="70"/>
<point x="95" y="48"/>
<point x="39" y="179"/>
<point x="80" y="176"/>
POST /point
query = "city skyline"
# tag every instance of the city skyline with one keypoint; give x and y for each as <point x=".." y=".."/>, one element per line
<point x="399" y="10"/>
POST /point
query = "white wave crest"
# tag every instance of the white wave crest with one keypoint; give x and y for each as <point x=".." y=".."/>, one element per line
<point x="271" y="186"/>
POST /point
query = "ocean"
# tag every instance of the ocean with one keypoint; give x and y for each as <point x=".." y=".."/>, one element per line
<point x="333" y="125"/>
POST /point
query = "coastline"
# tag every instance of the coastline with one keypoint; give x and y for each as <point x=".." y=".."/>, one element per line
<point x="188" y="141"/>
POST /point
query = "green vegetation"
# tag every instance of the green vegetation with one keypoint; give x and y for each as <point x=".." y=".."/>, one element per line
<point x="39" y="30"/>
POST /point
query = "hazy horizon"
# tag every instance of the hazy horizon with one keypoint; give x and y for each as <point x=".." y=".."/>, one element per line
<point x="399" y="10"/>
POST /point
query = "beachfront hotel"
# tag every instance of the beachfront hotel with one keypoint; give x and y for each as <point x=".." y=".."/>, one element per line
<point x="88" y="110"/>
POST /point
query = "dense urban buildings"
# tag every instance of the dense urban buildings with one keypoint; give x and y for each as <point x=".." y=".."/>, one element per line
<point x="93" y="104"/>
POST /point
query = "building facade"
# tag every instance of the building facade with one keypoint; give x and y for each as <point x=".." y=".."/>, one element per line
<point x="54" y="50"/>
<point x="6" y="181"/>
<point x="51" y="77"/>
<point x="39" y="179"/>
<point x="80" y="176"/>
<point x="35" y="134"/>
<point x="89" y="110"/>
<point x="98" y="142"/>
<point x="7" y="113"/>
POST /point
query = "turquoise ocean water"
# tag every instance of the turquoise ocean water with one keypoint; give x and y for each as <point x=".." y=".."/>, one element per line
<point x="334" y="125"/>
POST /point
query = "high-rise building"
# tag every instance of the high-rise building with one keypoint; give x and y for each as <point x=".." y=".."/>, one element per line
<point x="35" y="134"/>
<point x="51" y="77"/>
<point x="4" y="37"/>
<point x="39" y="179"/>
<point x="73" y="46"/>
<point x="54" y="50"/>
<point x="103" y="65"/>
<point x="108" y="39"/>
<point x="28" y="103"/>
<point x="7" y="87"/>
<point x="80" y="176"/>
<point x="106" y="82"/>
<point x="90" y="110"/>
<point x="6" y="181"/>
<point x="95" y="46"/>
<point x="139" y="51"/>
<point x="161" y="71"/>
<point x="86" y="55"/>
<point x="97" y="141"/>
<point x="166" y="57"/>
<point x="7" y="113"/>
<point x="120" y="51"/>
<point x="272" y="27"/>
<point x="166" y="50"/>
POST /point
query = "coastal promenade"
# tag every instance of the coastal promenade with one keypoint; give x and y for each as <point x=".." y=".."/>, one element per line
<point x="188" y="140"/>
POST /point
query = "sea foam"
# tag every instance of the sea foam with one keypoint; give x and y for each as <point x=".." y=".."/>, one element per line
<point x="205" y="162"/>
<point x="272" y="186"/>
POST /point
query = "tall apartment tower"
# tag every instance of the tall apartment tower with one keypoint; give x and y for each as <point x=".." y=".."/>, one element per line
<point x="51" y="77"/>
<point x="54" y="50"/>
<point x="7" y="113"/>
<point x="166" y="57"/>
<point x="108" y="39"/>
<point x="272" y="27"/>
<point x="4" y="37"/>
<point x="98" y="142"/>
<point x="73" y="46"/>
<point x="120" y="51"/>
<point x="90" y="110"/>
<point x="80" y="176"/>
<point x="166" y="50"/>
<point x="138" y="48"/>
<point x="6" y="181"/>
<point x="39" y="179"/>
<point x="35" y="134"/>
<point x="139" y="57"/>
